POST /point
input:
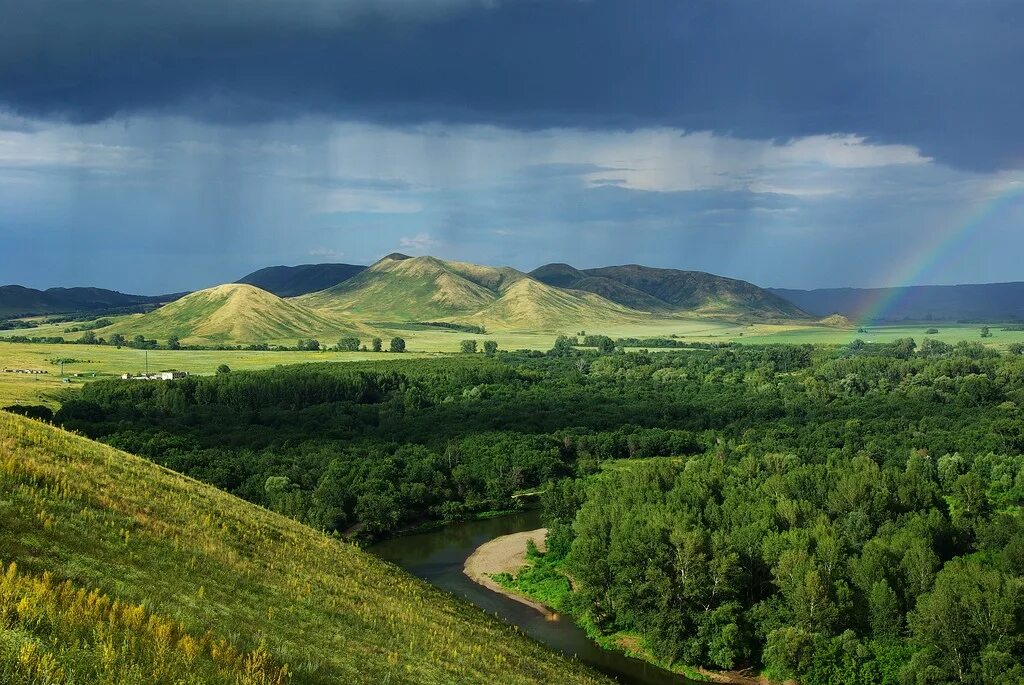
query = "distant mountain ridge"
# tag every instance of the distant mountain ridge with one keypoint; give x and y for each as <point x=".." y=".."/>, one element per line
<point x="291" y="281"/>
<point x="17" y="300"/>
<point x="671" y="291"/>
<point x="972" y="302"/>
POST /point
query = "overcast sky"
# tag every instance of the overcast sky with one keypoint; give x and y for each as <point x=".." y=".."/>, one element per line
<point x="153" y="146"/>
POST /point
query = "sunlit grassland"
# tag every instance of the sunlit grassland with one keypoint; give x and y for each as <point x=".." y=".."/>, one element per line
<point x="98" y="361"/>
<point x="116" y="570"/>
<point x="434" y="339"/>
<point x="104" y="361"/>
<point x="617" y="466"/>
<point x="423" y="340"/>
<point x="951" y="333"/>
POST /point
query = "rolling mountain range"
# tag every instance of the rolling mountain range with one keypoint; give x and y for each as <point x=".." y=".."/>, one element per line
<point x="403" y="288"/>
<point x="400" y="289"/>
<point x="16" y="300"/>
<point x="276" y="304"/>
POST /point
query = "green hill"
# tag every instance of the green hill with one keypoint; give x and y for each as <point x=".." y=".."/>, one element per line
<point x="115" y="570"/>
<point x="401" y="288"/>
<point x="672" y="291"/>
<point x="528" y="304"/>
<point x="404" y="288"/>
<point x="231" y="313"/>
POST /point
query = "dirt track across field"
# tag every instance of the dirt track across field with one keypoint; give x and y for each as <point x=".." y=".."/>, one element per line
<point x="505" y="554"/>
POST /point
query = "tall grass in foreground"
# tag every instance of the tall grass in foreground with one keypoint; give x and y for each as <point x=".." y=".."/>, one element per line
<point x="115" y="570"/>
<point x="55" y="632"/>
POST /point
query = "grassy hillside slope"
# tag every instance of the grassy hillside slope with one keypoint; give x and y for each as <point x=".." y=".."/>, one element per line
<point x="401" y="288"/>
<point x="231" y="313"/>
<point x="532" y="305"/>
<point x="115" y="570"/>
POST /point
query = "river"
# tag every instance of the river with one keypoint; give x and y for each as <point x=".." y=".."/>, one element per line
<point x="438" y="557"/>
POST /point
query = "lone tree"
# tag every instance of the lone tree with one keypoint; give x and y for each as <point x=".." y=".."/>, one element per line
<point x="174" y="343"/>
<point x="986" y="332"/>
<point x="904" y="348"/>
<point x="563" y="346"/>
<point x="469" y="346"/>
<point x="140" y="342"/>
<point x="490" y="348"/>
<point x="397" y="345"/>
<point x="349" y="344"/>
<point x="223" y="368"/>
<point x="117" y="340"/>
<point x="378" y="344"/>
<point x="603" y="343"/>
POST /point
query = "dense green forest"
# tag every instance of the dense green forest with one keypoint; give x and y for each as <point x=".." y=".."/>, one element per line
<point x="834" y="514"/>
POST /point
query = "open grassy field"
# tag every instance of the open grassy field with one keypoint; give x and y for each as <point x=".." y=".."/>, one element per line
<point x="95" y="361"/>
<point x="949" y="333"/>
<point x="709" y="330"/>
<point x="114" y="570"/>
<point x="103" y="361"/>
<point x="422" y="338"/>
<point x="428" y="339"/>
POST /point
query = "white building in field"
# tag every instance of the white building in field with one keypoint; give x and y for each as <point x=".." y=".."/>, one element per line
<point x="159" y="376"/>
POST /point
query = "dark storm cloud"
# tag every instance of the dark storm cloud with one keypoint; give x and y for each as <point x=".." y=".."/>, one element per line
<point x="942" y="76"/>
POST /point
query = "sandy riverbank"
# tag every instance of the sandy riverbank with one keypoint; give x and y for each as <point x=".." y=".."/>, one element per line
<point x="505" y="554"/>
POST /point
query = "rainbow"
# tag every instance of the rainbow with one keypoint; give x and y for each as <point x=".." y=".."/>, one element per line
<point x="947" y="244"/>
